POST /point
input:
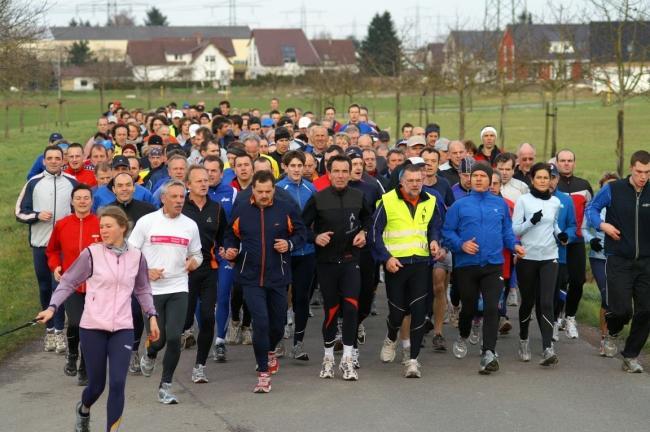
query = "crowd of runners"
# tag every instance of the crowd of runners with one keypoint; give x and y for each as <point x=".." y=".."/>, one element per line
<point x="185" y="227"/>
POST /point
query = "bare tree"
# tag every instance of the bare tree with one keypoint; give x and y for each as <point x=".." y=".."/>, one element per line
<point x="619" y="56"/>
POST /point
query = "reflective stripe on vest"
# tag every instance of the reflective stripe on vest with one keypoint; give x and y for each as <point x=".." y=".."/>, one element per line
<point x="405" y="235"/>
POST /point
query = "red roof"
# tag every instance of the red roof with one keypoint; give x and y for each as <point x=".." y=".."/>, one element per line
<point x="270" y="44"/>
<point x="337" y="51"/>
<point x="152" y="52"/>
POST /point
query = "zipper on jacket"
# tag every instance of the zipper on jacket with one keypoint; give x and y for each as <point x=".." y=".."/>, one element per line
<point x="81" y="232"/>
<point x="636" y="227"/>
<point x="243" y="263"/>
<point x="282" y="264"/>
<point x="117" y="287"/>
<point x="263" y="247"/>
<point x="54" y="207"/>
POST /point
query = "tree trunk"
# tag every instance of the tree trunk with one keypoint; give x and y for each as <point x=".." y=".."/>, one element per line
<point x="554" y="122"/>
<point x="502" y="120"/>
<point x="620" y="141"/>
<point x="21" y="114"/>
<point x="461" y="113"/>
<point x="398" y="107"/>
<point x="7" y="120"/>
<point x="547" y="116"/>
<point x="101" y="97"/>
<point x="433" y="100"/>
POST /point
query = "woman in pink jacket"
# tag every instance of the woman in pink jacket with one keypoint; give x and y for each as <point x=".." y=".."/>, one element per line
<point x="112" y="272"/>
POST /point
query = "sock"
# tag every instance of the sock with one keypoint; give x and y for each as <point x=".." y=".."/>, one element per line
<point x="347" y="350"/>
<point x="406" y="343"/>
<point x="219" y="341"/>
<point x="84" y="410"/>
<point x="329" y="352"/>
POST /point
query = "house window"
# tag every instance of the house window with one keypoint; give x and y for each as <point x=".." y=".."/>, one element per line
<point x="210" y="74"/>
<point x="84" y="83"/>
<point x="288" y="54"/>
<point x="177" y="57"/>
<point x="210" y="59"/>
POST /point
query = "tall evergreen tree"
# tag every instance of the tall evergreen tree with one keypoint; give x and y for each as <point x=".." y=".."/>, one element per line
<point x="79" y="53"/>
<point x="155" y="18"/>
<point x="381" y="49"/>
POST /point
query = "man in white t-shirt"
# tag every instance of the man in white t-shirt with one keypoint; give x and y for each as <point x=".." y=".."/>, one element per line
<point x="171" y="244"/>
<point x="511" y="188"/>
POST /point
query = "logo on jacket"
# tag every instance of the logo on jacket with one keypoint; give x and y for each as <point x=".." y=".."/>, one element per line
<point x="424" y="214"/>
<point x="225" y="199"/>
<point x="209" y="219"/>
<point x="353" y="225"/>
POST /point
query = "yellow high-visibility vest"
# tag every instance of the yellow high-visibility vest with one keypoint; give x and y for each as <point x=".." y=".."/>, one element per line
<point x="404" y="235"/>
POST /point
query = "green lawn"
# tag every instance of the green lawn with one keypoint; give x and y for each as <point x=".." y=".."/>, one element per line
<point x="589" y="129"/>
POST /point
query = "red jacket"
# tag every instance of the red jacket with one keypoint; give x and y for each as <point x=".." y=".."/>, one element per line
<point x="83" y="175"/>
<point x="322" y="182"/>
<point x="69" y="237"/>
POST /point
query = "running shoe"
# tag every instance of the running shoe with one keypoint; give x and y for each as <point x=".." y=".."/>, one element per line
<point x="455" y="312"/>
<point x="355" y="358"/>
<point x="373" y="308"/>
<point x="489" y="363"/>
<point x="388" y="351"/>
<point x="246" y="336"/>
<point x="428" y="325"/>
<point x="571" y="328"/>
<point x="298" y="352"/>
<point x="165" y="395"/>
<point x="263" y="383"/>
<point x="611" y="345"/>
<point x="219" y="352"/>
<point x="190" y="340"/>
<point x="327" y="370"/>
<point x="412" y="369"/>
<point x="562" y="321"/>
<point x="82" y="377"/>
<point x="60" y="343"/>
<point x="556" y="331"/>
<point x="233" y="335"/>
<point x="147" y="365"/>
<point x="439" y="343"/>
<point x="601" y="347"/>
<point x="198" y="374"/>
<point x="287" y="331"/>
<point x="460" y="347"/>
<point x="273" y="363"/>
<point x="290" y="317"/>
<point x="513" y="300"/>
<point x="631" y="365"/>
<point x="134" y="364"/>
<point x="504" y="326"/>
<point x="70" y="368"/>
<point x="347" y="369"/>
<point x="524" y="351"/>
<point x="49" y="343"/>
<point x="549" y="358"/>
<point x="361" y="334"/>
<point x="82" y="423"/>
<point x="280" y="350"/>
<point x="406" y="354"/>
<point x="475" y="334"/>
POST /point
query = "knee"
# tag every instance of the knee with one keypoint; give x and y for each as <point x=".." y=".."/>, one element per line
<point x="173" y="341"/>
<point x="117" y="383"/>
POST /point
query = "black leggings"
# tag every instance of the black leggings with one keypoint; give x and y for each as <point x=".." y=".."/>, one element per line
<point x="577" y="266"/>
<point x="202" y="289"/>
<point x="171" y="310"/>
<point x="236" y="303"/>
<point x="407" y="293"/>
<point x="369" y="279"/>
<point x="138" y="322"/>
<point x="302" y="271"/>
<point x="488" y="282"/>
<point x="74" y="307"/>
<point x="537" y="280"/>
<point x="339" y="285"/>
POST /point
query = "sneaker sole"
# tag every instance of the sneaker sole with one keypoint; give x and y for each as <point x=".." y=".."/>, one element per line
<point x="551" y="361"/>
<point x="493" y="366"/>
<point x="353" y="378"/>
<point x="200" y="381"/>
<point x="171" y="402"/>
<point x="261" y="390"/>
<point x="302" y="357"/>
<point x="327" y="376"/>
<point x="631" y="371"/>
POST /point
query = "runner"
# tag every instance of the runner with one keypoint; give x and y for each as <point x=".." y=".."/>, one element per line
<point x="476" y="229"/>
<point x="339" y="219"/>
<point x="535" y="221"/>
<point x="171" y="244"/>
<point x="406" y="229"/>
<point x="627" y="247"/>
<point x="106" y="323"/>
<point x="262" y="233"/>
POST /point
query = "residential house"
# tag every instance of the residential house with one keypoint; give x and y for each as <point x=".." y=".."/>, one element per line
<point x="336" y="54"/>
<point x="472" y="55"/>
<point x="280" y="52"/>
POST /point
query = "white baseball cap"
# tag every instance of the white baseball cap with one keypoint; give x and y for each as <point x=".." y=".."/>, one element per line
<point x="193" y="128"/>
<point x="304" y="122"/>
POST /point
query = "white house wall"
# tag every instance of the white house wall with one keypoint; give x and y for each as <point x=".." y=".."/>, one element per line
<point x="220" y="66"/>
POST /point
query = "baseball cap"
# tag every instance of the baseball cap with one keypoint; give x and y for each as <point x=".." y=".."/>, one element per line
<point x="466" y="165"/>
<point x="354" y="153"/>
<point x="177" y="114"/>
<point x="119" y="161"/>
<point x="442" y="144"/>
<point x="554" y="171"/>
<point x="108" y="144"/>
<point x="155" y="152"/>
<point x="416" y="140"/>
<point x="415" y="160"/>
<point x="285" y="121"/>
<point x="186" y="105"/>
<point x="193" y="129"/>
<point x="304" y="122"/>
<point x="267" y="122"/>
<point x="130" y="146"/>
<point x="55" y="137"/>
<point x="155" y="140"/>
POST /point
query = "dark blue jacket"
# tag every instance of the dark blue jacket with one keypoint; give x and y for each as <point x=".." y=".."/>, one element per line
<point x="484" y="217"/>
<point x="629" y="212"/>
<point x="254" y="231"/>
<point x="225" y="195"/>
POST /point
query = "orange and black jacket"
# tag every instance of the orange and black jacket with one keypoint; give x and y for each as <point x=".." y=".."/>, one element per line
<point x="254" y="231"/>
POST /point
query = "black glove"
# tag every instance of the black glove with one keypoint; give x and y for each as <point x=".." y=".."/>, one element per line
<point x="596" y="245"/>
<point x="563" y="237"/>
<point x="536" y="217"/>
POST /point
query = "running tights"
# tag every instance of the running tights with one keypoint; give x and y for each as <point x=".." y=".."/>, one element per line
<point x="171" y="309"/>
<point x="339" y="285"/>
<point x="201" y="290"/>
<point x="302" y="270"/>
<point x="537" y="281"/>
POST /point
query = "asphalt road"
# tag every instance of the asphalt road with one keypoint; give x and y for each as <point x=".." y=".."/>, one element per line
<point x="583" y="393"/>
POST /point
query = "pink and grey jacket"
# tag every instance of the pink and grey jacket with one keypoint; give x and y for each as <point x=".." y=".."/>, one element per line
<point x="110" y="281"/>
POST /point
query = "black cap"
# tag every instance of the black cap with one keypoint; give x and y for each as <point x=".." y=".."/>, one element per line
<point x="119" y="161"/>
<point x="480" y="166"/>
<point x="383" y="136"/>
<point x="173" y="149"/>
<point x="354" y="153"/>
<point x="155" y="140"/>
<point x="282" y="133"/>
<point x="285" y="120"/>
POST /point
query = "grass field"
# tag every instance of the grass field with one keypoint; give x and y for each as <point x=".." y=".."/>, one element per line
<point x="589" y="129"/>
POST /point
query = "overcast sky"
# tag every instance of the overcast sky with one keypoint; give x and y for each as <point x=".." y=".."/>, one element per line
<point x="338" y="18"/>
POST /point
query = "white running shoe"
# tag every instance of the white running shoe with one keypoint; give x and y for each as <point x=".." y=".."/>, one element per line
<point x="524" y="351"/>
<point x="556" y="331"/>
<point x="355" y="358"/>
<point x="165" y="395"/>
<point x="571" y="328"/>
<point x="475" y="334"/>
<point x="460" y="348"/>
<point x="347" y="369"/>
<point x="388" y="351"/>
<point x="246" y="336"/>
<point x="513" y="300"/>
<point x="147" y="365"/>
<point x="60" y="342"/>
<point x="412" y="369"/>
<point x="233" y="335"/>
<point x="49" y="343"/>
<point x="198" y="374"/>
<point x="406" y="354"/>
<point x="327" y="371"/>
